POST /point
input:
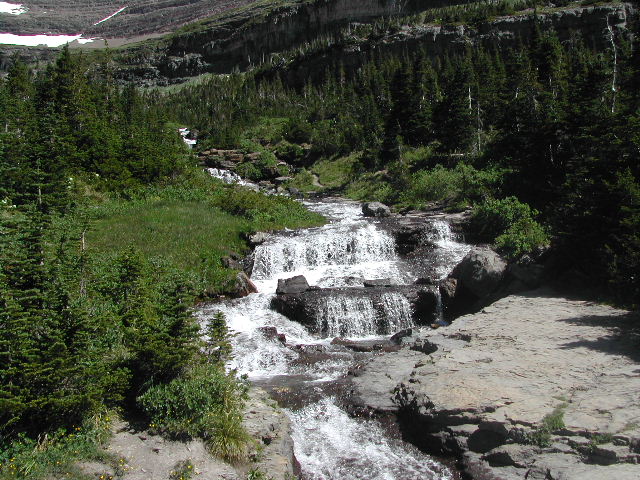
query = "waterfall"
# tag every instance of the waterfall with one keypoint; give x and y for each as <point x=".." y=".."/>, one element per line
<point x="332" y="445"/>
<point x="346" y="316"/>
<point x="449" y="252"/>
<point x="227" y="176"/>
<point x="439" y="307"/>
<point x="338" y="246"/>
<point x="397" y="312"/>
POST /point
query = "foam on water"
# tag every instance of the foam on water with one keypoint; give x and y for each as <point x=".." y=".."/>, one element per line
<point x="329" y="444"/>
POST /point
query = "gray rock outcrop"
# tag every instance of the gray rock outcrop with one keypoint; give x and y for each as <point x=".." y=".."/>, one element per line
<point x="480" y="272"/>
<point x="533" y="386"/>
<point x="297" y="284"/>
<point x="375" y="209"/>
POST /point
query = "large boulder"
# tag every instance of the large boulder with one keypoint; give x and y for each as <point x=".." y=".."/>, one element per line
<point x="375" y="209"/>
<point x="297" y="284"/>
<point x="480" y="272"/>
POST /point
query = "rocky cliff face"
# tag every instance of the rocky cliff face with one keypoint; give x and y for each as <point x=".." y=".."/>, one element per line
<point x="243" y="41"/>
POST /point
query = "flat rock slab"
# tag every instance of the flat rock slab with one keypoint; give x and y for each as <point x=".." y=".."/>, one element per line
<point x="505" y="368"/>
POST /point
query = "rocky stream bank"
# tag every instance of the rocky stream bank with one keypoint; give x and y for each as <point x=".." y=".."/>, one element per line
<point x="534" y="386"/>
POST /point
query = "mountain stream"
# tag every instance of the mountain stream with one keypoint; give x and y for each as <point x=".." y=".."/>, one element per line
<point x="308" y="374"/>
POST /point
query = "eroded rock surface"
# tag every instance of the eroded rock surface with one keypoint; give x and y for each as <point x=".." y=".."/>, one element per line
<point x="487" y="387"/>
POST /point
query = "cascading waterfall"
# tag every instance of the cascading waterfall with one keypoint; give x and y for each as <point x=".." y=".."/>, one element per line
<point x="342" y="316"/>
<point x="330" y="444"/>
<point x="397" y="312"/>
<point x="351" y="245"/>
<point x="450" y="251"/>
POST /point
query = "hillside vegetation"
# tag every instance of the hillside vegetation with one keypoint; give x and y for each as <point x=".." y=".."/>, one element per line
<point x="109" y="234"/>
<point x="542" y="140"/>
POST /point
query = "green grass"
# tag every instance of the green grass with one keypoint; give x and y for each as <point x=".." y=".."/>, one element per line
<point x="336" y="173"/>
<point x="551" y="423"/>
<point x="190" y="225"/>
<point x="193" y="236"/>
<point x="55" y="455"/>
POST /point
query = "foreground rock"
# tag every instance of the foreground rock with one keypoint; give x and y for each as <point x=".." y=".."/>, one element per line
<point x="297" y="284"/>
<point x="480" y="272"/>
<point x="534" y="386"/>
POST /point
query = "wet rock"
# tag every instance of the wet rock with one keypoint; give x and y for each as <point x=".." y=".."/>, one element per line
<point x="361" y="347"/>
<point x="425" y="304"/>
<point x="297" y="284"/>
<point x="375" y="209"/>
<point x="412" y="237"/>
<point x="266" y="184"/>
<point x="379" y="282"/>
<point x="294" y="192"/>
<point x="425" y="281"/>
<point x="402" y="334"/>
<point x="272" y="333"/>
<point x="244" y="286"/>
<point x="281" y="180"/>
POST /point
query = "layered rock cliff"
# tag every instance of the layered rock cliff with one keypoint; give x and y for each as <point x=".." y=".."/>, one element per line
<point x="240" y="42"/>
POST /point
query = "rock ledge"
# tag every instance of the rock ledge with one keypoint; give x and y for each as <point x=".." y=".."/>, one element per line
<point x="534" y="386"/>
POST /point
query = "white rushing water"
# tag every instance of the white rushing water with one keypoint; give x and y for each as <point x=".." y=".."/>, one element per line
<point x="330" y="444"/>
<point x="450" y="251"/>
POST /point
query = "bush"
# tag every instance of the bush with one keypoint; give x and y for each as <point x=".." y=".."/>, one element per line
<point x="461" y="185"/>
<point x="509" y="224"/>
<point x="206" y="403"/>
<point x="289" y="152"/>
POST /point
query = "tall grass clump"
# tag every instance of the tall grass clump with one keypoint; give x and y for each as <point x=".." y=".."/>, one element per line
<point x="205" y="403"/>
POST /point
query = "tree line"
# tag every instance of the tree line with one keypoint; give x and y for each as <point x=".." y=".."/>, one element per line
<point x="554" y="123"/>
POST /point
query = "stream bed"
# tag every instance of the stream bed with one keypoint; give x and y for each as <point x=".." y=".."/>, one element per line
<point x="308" y="374"/>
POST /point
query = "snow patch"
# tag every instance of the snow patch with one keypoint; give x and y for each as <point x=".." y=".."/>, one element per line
<point x="110" y="16"/>
<point x="36" y="40"/>
<point x="12" y="8"/>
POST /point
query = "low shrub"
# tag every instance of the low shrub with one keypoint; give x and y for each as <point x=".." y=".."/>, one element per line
<point x="54" y="454"/>
<point x="509" y="224"/>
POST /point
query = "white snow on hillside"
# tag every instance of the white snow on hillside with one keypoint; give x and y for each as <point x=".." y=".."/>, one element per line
<point x="36" y="40"/>
<point x="110" y="16"/>
<point x="12" y="8"/>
